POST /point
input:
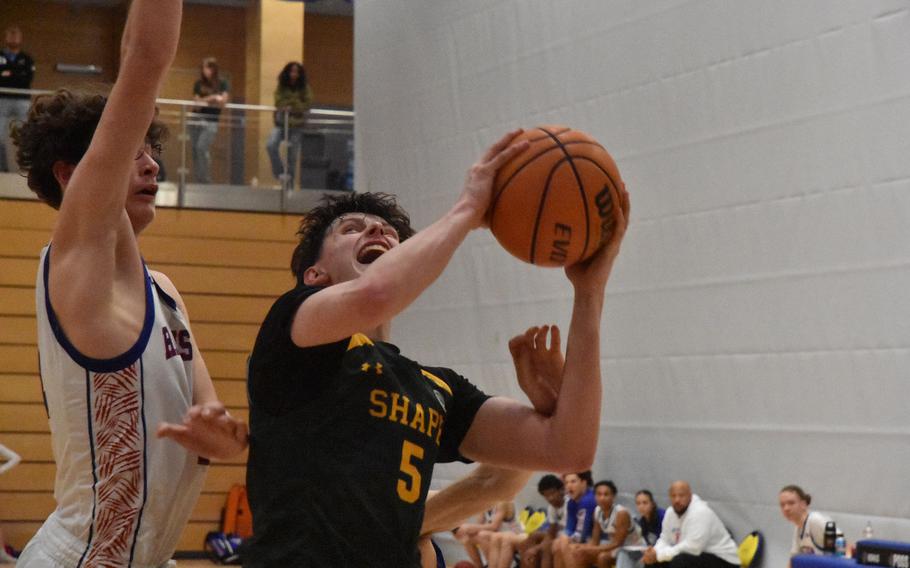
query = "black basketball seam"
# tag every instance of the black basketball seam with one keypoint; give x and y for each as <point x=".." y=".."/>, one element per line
<point x="547" y="135"/>
<point x="543" y="200"/>
<point x="521" y="167"/>
<point x="613" y="184"/>
<point x="581" y="189"/>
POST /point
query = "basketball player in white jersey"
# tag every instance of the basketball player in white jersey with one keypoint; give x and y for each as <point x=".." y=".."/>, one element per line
<point x="118" y="360"/>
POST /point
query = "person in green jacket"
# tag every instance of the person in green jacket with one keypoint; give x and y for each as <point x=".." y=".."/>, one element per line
<point x="292" y="99"/>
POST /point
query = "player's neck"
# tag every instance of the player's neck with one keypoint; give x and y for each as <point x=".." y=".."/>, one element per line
<point x="383" y="332"/>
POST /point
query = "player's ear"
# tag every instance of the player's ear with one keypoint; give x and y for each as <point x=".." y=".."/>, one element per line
<point x="314" y="276"/>
<point x="62" y="171"/>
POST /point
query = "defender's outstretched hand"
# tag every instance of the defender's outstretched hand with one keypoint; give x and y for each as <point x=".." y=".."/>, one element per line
<point x="478" y="187"/>
<point x="209" y="431"/>
<point x="539" y="368"/>
<point x="592" y="274"/>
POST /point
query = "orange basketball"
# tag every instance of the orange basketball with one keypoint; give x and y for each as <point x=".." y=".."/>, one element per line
<point x="553" y="203"/>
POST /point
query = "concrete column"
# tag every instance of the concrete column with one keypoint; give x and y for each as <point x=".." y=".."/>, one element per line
<point x="274" y="37"/>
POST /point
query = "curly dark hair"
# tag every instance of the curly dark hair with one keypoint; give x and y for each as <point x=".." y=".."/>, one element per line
<point x="284" y="78"/>
<point x="548" y="482"/>
<point x="60" y="127"/>
<point x="315" y="224"/>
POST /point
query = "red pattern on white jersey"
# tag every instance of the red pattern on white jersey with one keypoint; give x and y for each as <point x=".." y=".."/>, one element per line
<point x="119" y="456"/>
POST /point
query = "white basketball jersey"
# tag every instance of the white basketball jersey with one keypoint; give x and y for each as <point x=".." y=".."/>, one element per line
<point x="608" y="526"/>
<point x="123" y="495"/>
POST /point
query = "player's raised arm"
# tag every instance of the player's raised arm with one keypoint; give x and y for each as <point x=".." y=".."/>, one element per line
<point x="96" y="190"/>
<point x="92" y="239"/>
<point x="371" y="295"/>
<point x="509" y="434"/>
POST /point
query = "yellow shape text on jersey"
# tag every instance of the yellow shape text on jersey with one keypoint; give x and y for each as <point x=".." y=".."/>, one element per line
<point x="396" y="407"/>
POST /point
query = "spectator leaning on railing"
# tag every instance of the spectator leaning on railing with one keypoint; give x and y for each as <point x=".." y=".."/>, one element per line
<point x="212" y="91"/>
<point x="293" y="97"/>
<point x="17" y="69"/>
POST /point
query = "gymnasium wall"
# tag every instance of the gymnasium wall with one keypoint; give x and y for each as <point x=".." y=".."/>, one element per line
<point x="229" y="267"/>
<point x="756" y="328"/>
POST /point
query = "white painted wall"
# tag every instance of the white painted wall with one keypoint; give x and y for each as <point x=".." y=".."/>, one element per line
<point x="757" y="330"/>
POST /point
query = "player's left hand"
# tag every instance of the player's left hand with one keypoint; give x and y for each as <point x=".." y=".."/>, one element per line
<point x="539" y="367"/>
<point x="591" y="275"/>
<point x="209" y="431"/>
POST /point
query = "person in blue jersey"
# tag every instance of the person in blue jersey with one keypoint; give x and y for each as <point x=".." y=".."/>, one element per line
<point x="122" y="377"/>
<point x="338" y="412"/>
<point x="579" y="515"/>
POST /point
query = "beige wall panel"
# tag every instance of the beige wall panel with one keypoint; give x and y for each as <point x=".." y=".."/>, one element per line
<point x="20" y="388"/>
<point x="18" y="359"/>
<point x="18" y="330"/>
<point x="17" y="301"/>
<point x="236" y="309"/>
<point x="256" y="282"/>
<point x="18" y="272"/>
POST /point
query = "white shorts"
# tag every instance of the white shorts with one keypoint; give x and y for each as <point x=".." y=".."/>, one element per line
<point x="54" y="547"/>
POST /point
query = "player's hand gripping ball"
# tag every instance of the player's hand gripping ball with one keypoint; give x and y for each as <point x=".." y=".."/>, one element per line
<point x="553" y="204"/>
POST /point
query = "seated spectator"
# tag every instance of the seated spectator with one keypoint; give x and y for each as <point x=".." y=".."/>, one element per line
<point x="475" y="537"/>
<point x="613" y="528"/>
<point x="692" y="535"/>
<point x="579" y="515"/>
<point x="536" y="549"/>
<point x="649" y="523"/>
<point x="650" y="516"/>
<point x="809" y="534"/>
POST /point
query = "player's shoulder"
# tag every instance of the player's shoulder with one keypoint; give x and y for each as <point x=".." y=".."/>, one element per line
<point x="167" y="290"/>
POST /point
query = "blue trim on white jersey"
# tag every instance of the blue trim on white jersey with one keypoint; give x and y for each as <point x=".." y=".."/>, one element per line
<point x="117" y="363"/>
<point x="165" y="296"/>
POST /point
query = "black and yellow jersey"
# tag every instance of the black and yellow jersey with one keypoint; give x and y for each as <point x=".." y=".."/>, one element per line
<point x="343" y="439"/>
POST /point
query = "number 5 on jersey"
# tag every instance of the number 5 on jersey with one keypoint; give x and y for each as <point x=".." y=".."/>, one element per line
<point x="409" y="488"/>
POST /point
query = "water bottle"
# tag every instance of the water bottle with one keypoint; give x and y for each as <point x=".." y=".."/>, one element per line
<point x="830" y="537"/>
<point x="867" y="532"/>
<point x="840" y="545"/>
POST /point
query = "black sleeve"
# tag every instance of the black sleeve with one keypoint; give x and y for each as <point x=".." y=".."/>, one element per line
<point x="281" y="374"/>
<point x="466" y="401"/>
<point x="25" y="73"/>
<point x="197" y="88"/>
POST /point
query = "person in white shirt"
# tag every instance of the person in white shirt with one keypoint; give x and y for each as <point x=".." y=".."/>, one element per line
<point x="809" y="534"/>
<point x="536" y="550"/>
<point x="692" y="535"/>
<point x="613" y="528"/>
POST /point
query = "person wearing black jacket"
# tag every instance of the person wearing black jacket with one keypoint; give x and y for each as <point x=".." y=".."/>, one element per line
<point x="17" y="69"/>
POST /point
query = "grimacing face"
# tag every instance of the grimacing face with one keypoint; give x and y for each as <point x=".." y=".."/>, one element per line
<point x="353" y="242"/>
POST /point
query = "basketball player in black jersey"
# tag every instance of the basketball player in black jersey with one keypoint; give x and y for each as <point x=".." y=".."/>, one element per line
<point x="345" y="430"/>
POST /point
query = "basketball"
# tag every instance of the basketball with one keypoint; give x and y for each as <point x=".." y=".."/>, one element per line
<point x="553" y="203"/>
